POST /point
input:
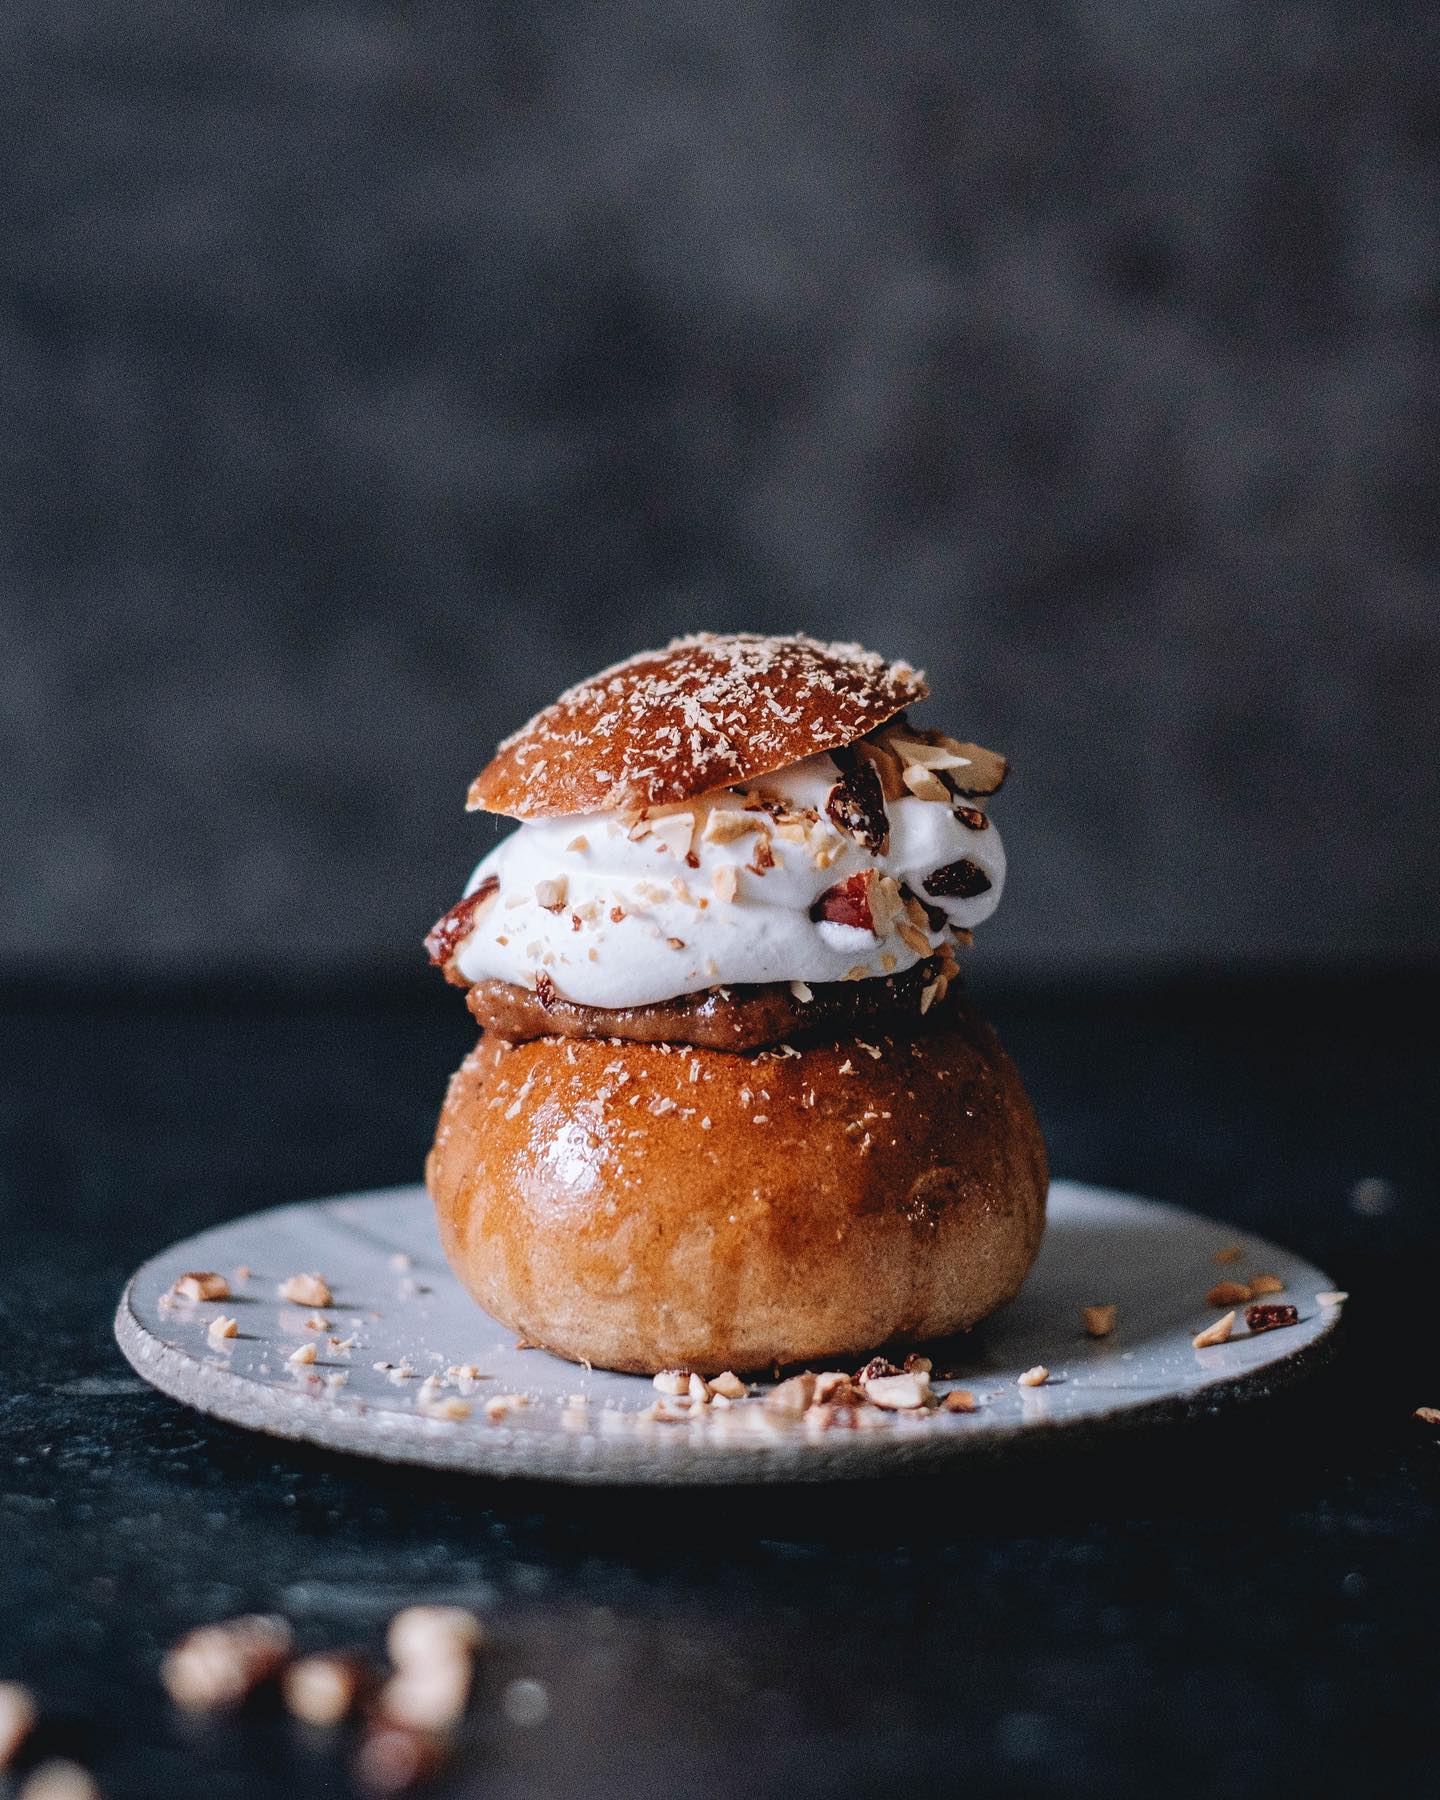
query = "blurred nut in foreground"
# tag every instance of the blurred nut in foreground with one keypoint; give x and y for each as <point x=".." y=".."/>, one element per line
<point x="427" y="1634"/>
<point x="391" y="1760"/>
<point x="428" y="1696"/>
<point x="219" y="1665"/>
<point x="18" y="1714"/>
<point x="324" y="1689"/>
<point x="60" y="1781"/>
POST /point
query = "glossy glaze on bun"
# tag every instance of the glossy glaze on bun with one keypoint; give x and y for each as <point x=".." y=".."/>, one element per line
<point x="701" y="714"/>
<point x="645" y="1206"/>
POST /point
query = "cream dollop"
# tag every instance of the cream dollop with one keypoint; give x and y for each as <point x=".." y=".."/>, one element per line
<point x="618" y="911"/>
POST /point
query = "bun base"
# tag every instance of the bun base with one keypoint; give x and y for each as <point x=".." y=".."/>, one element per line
<point x="645" y="1206"/>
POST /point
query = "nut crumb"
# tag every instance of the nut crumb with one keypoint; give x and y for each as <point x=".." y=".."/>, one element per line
<point x="1218" y="1333"/>
<point x="1332" y="1297"/>
<point x="502" y="1405"/>
<point x="306" y="1290"/>
<point x="221" y="1327"/>
<point x="1036" y="1377"/>
<point x="960" y="1400"/>
<point x="671" y="1381"/>
<point x="1228" y="1293"/>
<point x="729" y="1385"/>
<point x="1231" y="1253"/>
<point x="305" y="1354"/>
<point x="900" y="1393"/>
<point x="446" y="1407"/>
<point x="1099" y="1320"/>
<point x="317" y="1322"/>
<point x="1428" y="1415"/>
<point x="792" y="1396"/>
<point x="1271" y="1317"/>
<point x="1266" y="1284"/>
<point x="201" y="1284"/>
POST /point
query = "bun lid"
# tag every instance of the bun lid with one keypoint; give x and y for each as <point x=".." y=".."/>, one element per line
<point x="703" y="713"/>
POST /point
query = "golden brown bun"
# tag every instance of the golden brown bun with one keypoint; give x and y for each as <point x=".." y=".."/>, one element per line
<point x="836" y="1200"/>
<point x="704" y="713"/>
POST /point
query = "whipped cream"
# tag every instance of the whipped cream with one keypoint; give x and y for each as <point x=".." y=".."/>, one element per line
<point x="618" y="911"/>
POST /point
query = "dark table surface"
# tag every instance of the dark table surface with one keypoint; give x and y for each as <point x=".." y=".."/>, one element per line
<point x="1246" y="1605"/>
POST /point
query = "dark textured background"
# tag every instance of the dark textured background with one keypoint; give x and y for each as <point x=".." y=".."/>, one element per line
<point x="370" y="371"/>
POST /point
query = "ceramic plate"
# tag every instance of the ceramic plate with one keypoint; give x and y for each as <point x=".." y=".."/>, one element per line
<point x="399" y="1316"/>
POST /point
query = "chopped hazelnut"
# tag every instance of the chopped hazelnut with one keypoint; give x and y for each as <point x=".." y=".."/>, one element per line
<point x="221" y="1327"/>
<point x="502" y="1405"/>
<point x="699" y="1390"/>
<point x="1227" y="1293"/>
<point x="960" y="1400"/>
<point x="671" y="1381"/>
<point x="1266" y="1284"/>
<point x="1332" y="1297"/>
<point x="900" y="1393"/>
<point x="1036" y="1377"/>
<point x="307" y="1290"/>
<point x="925" y="784"/>
<point x="201" y="1284"/>
<point x="443" y="1407"/>
<point x="219" y="1665"/>
<point x="1230" y="1253"/>
<point x="729" y="1384"/>
<point x="1428" y="1415"/>
<point x="305" y="1354"/>
<point x="1271" y="1317"/>
<point x="317" y="1322"/>
<point x="921" y="1365"/>
<point x="324" y="1689"/>
<point x="724" y="825"/>
<point x="1099" y="1320"/>
<point x="726" y="881"/>
<point x="580" y="843"/>
<point x="792" y="1396"/>
<point x="550" y="894"/>
<point x="1218" y="1333"/>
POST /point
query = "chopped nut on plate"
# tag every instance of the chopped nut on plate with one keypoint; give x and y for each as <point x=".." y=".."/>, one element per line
<point x="1428" y="1415"/>
<point x="306" y="1290"/>
<point x="1036" y="1377"/>
<point x="299" y="1358"/>
<point x="960" y="1400"/>
<point x="1271" y="1317"/>
<point x="792" y="1396"/>
<point x="201" y="1284"/>
<point x="1229" y="1253"/>
<point x="1266" y="1284"/>
<point x="1228" y="1293"/>
<point x="1218" y="1333"/>
<point x="1332" y="1297"/>
<point x="222" y="1327"/>
<point x="671" y="1381"/>
<point x="1099" y="1321"/>
<point x="900" y="1393"/>
<point x="729" y="1385"/>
